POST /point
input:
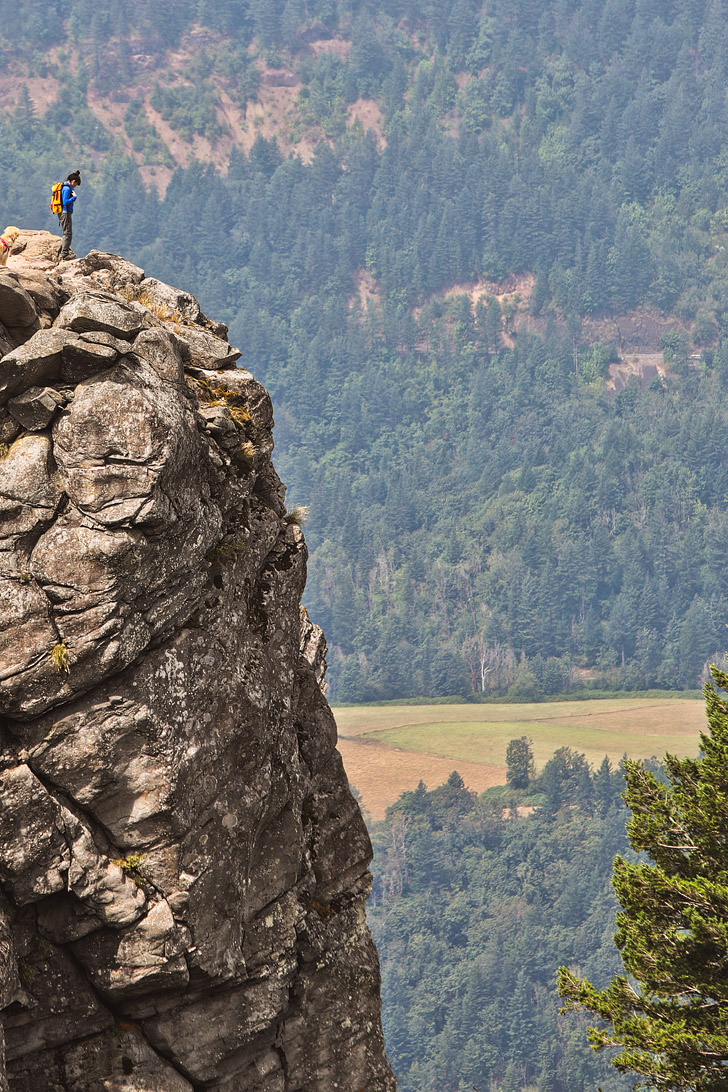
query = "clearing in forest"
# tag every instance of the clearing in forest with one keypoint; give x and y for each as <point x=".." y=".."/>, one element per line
<point x="387" y="749"/>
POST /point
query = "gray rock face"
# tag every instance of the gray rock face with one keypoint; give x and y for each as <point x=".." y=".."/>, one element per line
<point x="182" y="866"/>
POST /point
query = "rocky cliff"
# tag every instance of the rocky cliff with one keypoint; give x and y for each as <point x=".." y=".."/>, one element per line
<point x="182" y="866"/>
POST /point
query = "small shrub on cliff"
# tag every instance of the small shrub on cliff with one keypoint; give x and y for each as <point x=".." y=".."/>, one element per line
<point x="239" y="415"/>
<point x="157" y="307"/>
<point x="232" y="400"/>
<point x="133" y="866"/>
<point x="297" y="514"/>
<point x="59" y="656"/>
<point x="227" y="551"/>
<point x="161" y="310"/>
<point x="246" y="454"/>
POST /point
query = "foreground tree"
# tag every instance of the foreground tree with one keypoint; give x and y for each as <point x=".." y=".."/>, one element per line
<point x="670" y="1016"/>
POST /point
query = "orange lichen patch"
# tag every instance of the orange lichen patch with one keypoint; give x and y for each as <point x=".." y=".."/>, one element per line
<point x="370" y="116"/>
<point x="127" y="1027"/>
<point x="367" y="290"/>
<point x="381" y="774"/>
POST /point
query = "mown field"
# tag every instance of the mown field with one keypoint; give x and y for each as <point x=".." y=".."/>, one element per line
<point x="389" y="749"/>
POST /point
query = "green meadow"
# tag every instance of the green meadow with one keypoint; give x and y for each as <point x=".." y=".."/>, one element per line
<point x="637" y="727"/>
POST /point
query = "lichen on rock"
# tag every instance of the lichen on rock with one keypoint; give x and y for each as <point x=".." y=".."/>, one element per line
<point x="182" y="866"/>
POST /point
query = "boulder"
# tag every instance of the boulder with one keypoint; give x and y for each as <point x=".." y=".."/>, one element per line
<point x="36" y="250"/>
<point x="36" y="407"/>
<point x="92" y="311"/>
<point x="206" y="350"/>
<point x="108" y="270"/>
<point x="43" y="291"/>
<point x="9" y="428"/>
<point x="168" y="302"/>
<point x="143" y="957"/>
<point x="122" y="1062"/>
<point x="174" y="305"/>
<point x="17" y="309"/>
<point x="37" y="361"/>
<point x="86" y="356"/>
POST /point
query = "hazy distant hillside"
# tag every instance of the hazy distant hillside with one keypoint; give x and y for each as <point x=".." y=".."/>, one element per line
<point x="478" y="253"/>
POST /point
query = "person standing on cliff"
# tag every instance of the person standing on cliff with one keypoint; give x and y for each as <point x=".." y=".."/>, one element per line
<point x="65" y="216"/>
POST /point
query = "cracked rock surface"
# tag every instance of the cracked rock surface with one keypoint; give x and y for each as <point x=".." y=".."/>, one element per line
<point x="183" y="868"/>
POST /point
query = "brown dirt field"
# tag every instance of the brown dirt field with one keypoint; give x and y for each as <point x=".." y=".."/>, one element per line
<point x="367" y="290"/>
<point x="662" y="721"/>
<point x="43" y="91"/>
<point x="271" y="116"/>
<point x="339" y="46"/>
<point x="516" y="288"/>
<point x="635" y="332"/>
<point x="367" y="111"/>
<point x="645" y="366"/>
<point x="381" y="774"/>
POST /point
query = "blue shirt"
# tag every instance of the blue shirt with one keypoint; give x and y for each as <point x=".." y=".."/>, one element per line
<point x="67" y="197"/>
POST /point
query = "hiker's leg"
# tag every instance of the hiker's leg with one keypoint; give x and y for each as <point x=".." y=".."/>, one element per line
<point x="66" y="221"/>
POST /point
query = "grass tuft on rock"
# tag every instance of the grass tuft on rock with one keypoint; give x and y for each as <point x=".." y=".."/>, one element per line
<point x="60" y="658"/>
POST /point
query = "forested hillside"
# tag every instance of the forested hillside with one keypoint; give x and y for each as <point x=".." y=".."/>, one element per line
<point x="473" y="910"/>
<point x="443" y="234"/>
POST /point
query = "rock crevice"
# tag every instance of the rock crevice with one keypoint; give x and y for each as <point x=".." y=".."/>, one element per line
<point x="182" y="866"/>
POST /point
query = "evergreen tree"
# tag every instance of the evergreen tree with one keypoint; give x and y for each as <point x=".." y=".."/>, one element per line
<point x="670" y="1016"/>
<point x="519" y="762"/>
<point x="24" y="115"/>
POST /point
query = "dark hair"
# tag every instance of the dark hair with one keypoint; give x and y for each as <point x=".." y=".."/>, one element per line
<point x="74" y="176"/>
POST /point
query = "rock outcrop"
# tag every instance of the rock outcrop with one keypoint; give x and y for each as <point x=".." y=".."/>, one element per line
<point x="182" y="866"/>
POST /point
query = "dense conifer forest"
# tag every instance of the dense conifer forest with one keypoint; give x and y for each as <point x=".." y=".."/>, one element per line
<point x="486" y="513"/>
<point x="476" y="903"/>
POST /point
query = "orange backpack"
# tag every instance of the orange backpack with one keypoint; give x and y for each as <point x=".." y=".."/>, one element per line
<point x="56" y="204"/>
